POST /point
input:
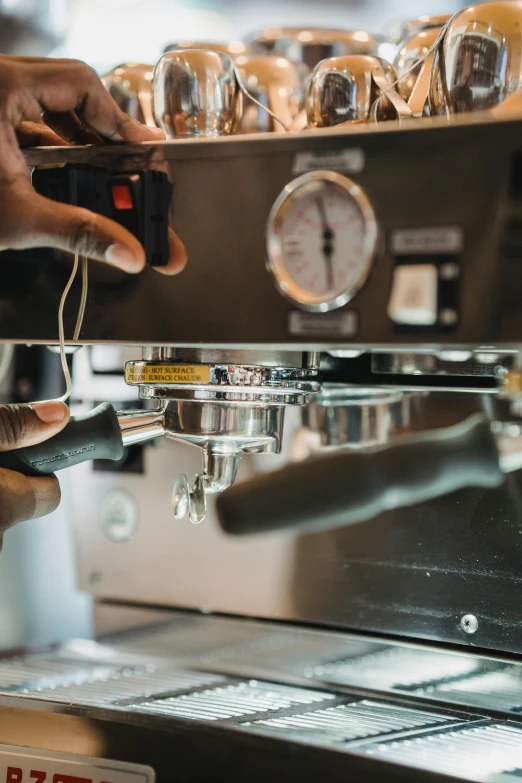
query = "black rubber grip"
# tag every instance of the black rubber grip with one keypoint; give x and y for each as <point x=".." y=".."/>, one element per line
<point x="351" y="487"/>
<point x="96" y="435"/>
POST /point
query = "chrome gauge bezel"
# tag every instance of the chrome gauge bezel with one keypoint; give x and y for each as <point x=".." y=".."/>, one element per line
<point x="315" y="181"/>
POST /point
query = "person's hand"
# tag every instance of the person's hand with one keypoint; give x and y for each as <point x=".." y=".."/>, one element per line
<point x="74" y="106"/>
<point x="23" y="498"/>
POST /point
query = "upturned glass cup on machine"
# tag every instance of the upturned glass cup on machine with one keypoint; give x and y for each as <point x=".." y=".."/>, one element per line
<point x="196" y="93"/>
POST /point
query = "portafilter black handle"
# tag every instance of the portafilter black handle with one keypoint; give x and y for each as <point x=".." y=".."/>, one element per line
<point x="95" y="435"/>
<point x="354" y="486"/>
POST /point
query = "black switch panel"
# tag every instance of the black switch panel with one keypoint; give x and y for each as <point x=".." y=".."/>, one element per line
<point x="138" y="201"/>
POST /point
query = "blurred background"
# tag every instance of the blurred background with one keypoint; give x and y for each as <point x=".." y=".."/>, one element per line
<point x="39" y="602"/>
<point x="108" y="32"/>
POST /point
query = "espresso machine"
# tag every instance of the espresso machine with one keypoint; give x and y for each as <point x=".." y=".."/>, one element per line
<point x="327" y="581"/>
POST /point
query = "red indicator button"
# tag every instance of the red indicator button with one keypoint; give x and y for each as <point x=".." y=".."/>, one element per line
<point x="122" y="197"/>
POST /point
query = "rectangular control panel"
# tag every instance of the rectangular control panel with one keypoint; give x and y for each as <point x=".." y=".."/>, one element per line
<point x="445" y="268"/>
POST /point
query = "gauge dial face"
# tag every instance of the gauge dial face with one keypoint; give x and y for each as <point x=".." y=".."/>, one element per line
<point x="321" y="240"/>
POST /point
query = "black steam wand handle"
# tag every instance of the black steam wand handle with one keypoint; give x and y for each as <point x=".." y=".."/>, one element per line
<point x="95" y="435"/>
<point x="351" y="487"/>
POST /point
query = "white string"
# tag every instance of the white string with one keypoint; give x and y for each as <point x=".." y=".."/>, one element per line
<point x="79" y="321"/>
<point x="61" y="335"/>
<point x="83" y="301"/>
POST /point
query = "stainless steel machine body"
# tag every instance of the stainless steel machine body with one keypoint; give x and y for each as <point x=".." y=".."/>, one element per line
<point x="455" y="216"/>
<point x="382" y="678"/>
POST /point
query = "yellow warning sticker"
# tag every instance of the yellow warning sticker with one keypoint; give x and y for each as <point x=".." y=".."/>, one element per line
<point x="167" y="373"/>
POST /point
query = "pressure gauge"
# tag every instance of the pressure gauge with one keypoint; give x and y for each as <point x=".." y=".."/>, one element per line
<point x="321" y="239"/>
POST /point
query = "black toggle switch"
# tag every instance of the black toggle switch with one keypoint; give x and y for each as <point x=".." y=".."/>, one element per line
<point x="137" y="200"/>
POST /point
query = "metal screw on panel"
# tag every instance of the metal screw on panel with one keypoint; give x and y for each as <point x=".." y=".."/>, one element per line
<point x="469" y="623"/>
<point x="448" y="317"/>
<point x="24" y="388"/>
<point x="95" y="577"/>
<point x="449" y="271"/>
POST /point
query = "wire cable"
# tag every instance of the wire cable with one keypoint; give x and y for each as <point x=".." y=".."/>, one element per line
<point x="61" y="334"/>
<point x="79" y="320"/>
<point x="83" y="301"/>
<point x="5" y="361"/>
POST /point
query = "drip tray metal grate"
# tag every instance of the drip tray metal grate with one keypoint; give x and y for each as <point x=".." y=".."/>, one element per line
<point x="500" y="690"/>
<point x="17" y="673"/>
<point x="356" y="720"/>
<point x="480" y="754"/>
<point x="234" y="701"/>
<point x="99" y="685"/>
<point x="396" y="668"/>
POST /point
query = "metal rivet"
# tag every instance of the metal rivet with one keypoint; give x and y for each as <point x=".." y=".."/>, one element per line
<point x="25" y="388"/>
<point x="469" y="623"/>
<point x="448" y="317"/>
<point x="449" y="271"/>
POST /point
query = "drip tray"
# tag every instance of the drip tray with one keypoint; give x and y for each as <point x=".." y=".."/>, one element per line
<point x="400" y="668"/>
<point x="483" y="754"/>
<point x="350" y="705"/>
<point x="497" y="690"/>
<point x="166" y="697"/>
<point x="347" y="722"/>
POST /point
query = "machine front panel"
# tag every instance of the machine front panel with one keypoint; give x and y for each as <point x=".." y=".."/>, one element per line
<point x="414" y="572"/>
<point x="455" y="185"/>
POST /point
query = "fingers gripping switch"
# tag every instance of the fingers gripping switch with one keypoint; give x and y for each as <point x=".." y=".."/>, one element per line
<point x="141" y="205"/>
<point x="413" y="298"/>
<point x="139" y="201"/>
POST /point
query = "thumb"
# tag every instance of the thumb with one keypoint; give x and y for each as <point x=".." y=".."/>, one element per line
<point x="25" y="425"/>
<point x="35" y="221"/>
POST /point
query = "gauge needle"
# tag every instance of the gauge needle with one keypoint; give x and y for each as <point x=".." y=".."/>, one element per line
<point x="328" y="237"/>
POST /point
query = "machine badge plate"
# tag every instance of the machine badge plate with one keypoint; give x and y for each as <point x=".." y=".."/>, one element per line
<point x="432" y="239"/>
<point x="25" y="765"/>
<point x="144" y="373"/>
<point x="347" y="161"/>
<point x="322" y="325"/>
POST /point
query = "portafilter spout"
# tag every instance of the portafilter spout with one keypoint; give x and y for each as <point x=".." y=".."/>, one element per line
<point x="219" y="472"/>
